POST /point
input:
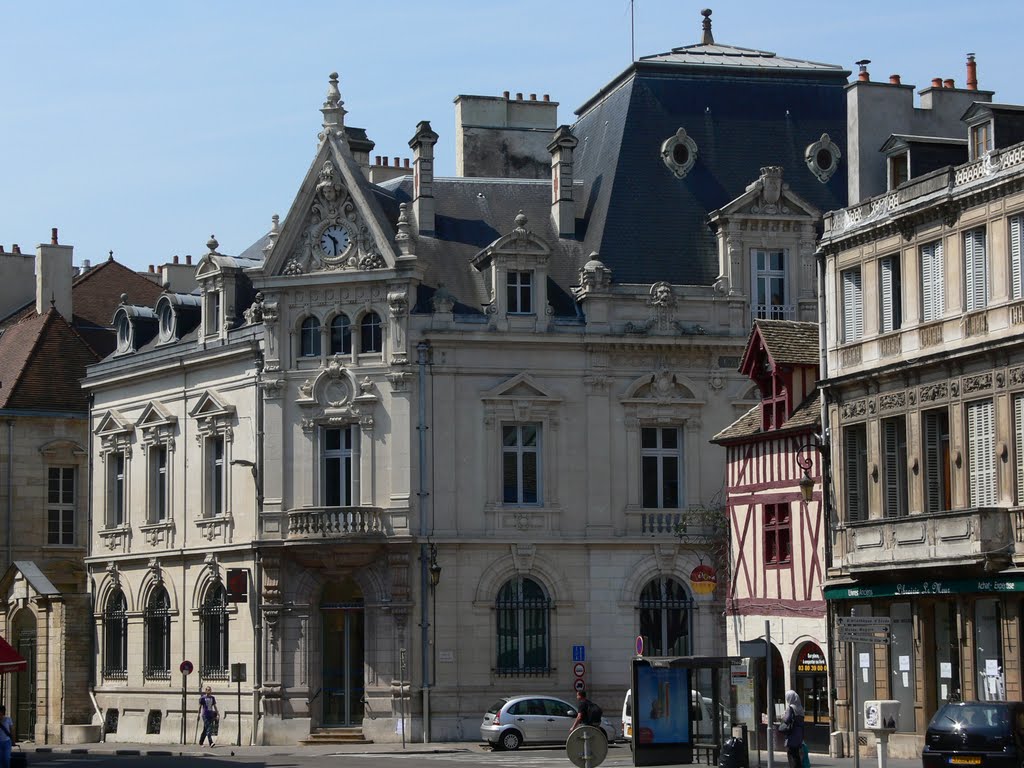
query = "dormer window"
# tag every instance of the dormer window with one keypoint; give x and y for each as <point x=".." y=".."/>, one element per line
<point x="166" y="317"/>
<point x="211" y="319"/>
<point x="981" y="140"/>
<point x="124" y="333"/>
<point x="770" y="297"/>
<point x="519" y="291"/>
<point x="899" y="169"/>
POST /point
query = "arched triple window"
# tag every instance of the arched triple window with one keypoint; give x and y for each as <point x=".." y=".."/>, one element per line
<point x="309" y="338"/>
<point x="115" y="636"/>
<point x="371" y="333"/>
<point x="157" y="622"/>
<point x="665" y="608"/>
<point x="213" y="618"/>
<point x="341" y="335"/>
<point x="523" y="611"/>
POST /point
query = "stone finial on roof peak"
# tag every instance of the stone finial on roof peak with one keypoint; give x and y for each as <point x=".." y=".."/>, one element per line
<point x="707" y="38"/>
<point x="333" y="108"/>
<point x="212" y="244"/>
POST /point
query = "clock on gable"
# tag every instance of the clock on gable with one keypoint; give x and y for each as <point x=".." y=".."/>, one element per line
<point x="335" y="240"/>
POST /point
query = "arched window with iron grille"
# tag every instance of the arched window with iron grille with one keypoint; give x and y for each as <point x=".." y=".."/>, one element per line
<point x="213" y="616"/>
<point x="115" y="637"/>
<point x="157" y="622"/>
<point x="523" y="611"/>
<point x="665" y="617"/>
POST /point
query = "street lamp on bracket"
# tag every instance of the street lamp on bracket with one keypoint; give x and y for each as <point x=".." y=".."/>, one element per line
<point x="805" y="463"/>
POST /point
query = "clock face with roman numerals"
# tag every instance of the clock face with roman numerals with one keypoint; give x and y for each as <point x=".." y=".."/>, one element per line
<point x="335" y="240"/>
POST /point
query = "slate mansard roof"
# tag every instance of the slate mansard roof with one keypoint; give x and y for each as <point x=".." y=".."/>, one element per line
<point x="743" y="109"/>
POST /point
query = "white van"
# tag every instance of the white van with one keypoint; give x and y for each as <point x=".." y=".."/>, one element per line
<point x="701" y="708"/>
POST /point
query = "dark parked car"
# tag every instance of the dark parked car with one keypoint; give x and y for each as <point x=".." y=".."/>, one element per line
<point x="976" y="733"/>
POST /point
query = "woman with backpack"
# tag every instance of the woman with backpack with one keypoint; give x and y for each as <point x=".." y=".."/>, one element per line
<point x="792" y="727"/>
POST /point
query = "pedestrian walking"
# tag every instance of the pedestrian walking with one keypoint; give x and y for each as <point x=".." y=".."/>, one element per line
<point x="792" y="727"/>
<point x="588" y="713"/>
<point x="6" y="738"/>
<point x="209" y="714"/>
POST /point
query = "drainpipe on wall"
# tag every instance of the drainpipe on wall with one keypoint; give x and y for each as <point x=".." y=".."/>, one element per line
<point x="422" y="352"/>
<point x="10" y="491"/>
<point x="257" y="561"/>
<point x="826" y="478"/>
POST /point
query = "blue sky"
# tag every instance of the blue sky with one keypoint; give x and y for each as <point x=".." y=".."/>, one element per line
<point x="143" y="127"/>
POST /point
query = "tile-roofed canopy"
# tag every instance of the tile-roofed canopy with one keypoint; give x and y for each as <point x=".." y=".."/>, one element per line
<point x="807" y="416"/>
<point x="42" y="360"/>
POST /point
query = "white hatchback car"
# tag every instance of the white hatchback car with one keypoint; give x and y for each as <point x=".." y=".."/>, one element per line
<point x="513" y="721"/>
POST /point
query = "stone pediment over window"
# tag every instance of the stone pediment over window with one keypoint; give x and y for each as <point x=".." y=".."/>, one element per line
<point x="114" y="432"/>
<point x="157" y="424"/>
<point x="662" y="385"/>
<point x="337" y="398"/>
<point x="519" y="398"/>
<point x="520" y="242"/>
<point x="213" y="416"/>
<point x="61" y="447"/>
<point x="768" y="196"/>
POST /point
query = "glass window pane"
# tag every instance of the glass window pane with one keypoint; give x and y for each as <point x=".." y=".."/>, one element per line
<point x="670" y="482"/>
<point x="529" y="435"/>
<point x="509" y="436"/>
<point x="510" y="478"/>
<point x="670" y="438"/>
<point x="333" y="439"/>
<point x="649" y="466"/>
<point x="529" y="478"/>
<point x="332" y="482"/>
<point x="649" y="437"/>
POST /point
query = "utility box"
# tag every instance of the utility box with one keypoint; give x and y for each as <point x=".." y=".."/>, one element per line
<point x="881" y="715"/>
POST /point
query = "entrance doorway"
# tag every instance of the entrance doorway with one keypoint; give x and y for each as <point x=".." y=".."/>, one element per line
<point x="341" y="612"/>
<point x="811" y="685"/>
<point x="24" y="688"/>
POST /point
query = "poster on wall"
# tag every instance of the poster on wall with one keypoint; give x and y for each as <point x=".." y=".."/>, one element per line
<point x="661" y="706"/>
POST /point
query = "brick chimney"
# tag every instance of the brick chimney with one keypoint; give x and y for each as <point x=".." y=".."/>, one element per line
<point x="422" y="145"/>
<point x="563" y="208"/>
<point x="54" y="273"/>
<point x="972" y="73"/>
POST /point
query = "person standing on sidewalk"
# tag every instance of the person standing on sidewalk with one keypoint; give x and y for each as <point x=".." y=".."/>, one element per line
<point x="208" y="711"/>
<point x="792" y="726"/>
<point x="6" y="738"/>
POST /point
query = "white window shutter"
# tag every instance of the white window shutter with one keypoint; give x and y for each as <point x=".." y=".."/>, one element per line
<point x="853" y="306"/>
<point x="887" y="264"/>
<point x="981" y="453"/>
<point x="933" y="281"/>
<point x="939" y="279"/>
<point x="975" y="270"/>
<point x="1016" y="224"/>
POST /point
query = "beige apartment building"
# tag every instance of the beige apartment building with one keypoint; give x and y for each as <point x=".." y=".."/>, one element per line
<point x="925" y="386"/>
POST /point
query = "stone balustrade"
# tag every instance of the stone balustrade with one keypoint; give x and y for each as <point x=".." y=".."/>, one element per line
<point x="335" y="522"/>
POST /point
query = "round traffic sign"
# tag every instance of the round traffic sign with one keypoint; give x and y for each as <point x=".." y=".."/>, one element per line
<point x="579" y="685"/>
<point x="578" y="669"/>
<point x="186" y="667"/>
<point x="639" y="645"/>
<point x="587" y="747"/>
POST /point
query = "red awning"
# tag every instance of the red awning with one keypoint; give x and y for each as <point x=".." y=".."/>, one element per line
<point x="10" y="661"/>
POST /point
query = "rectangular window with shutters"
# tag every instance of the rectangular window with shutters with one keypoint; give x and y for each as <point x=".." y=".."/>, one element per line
<point x="890" y="302"/>
<point x="933" y="282"/>
<point x="975" y="270"/>
<point x="894" y="465"/>
<point x="855" y="457"/>
<point x="1018" y="442"/>
<point x="1016" y="225"/>
<point x="937" y="493"/>
<point x="777" y="536"/>
<point x="981" y="140"/>
<point x="853" y="305"/>
<point x="981" y="453"/>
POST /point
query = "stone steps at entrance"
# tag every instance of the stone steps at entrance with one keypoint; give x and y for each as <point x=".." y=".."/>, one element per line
<point x="336" y="736"/>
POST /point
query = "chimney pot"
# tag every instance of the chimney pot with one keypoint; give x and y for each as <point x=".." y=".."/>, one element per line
<point x="972" y="73"/>
<point x="948" y="83"/>
<point x="188" y="258"/>
<point x="936" y="82"/>
<point x="175" y="258"/>
<point x="863" y="75"/>
<point x="533" y="97"/>
<point x="1" y="249"/>
<point x="152" y="268"/>
<point x="894" y="79"/>
<point x="396" y="162"/>
<point x="376" y="160"/>
<point x="505" y="94"/>
<point x="407" y="162"/>
<point x="53" y="236"/>
<point x="16" y="248"/>
<point x="519" y="96"/>
<point x="547" y="97"/>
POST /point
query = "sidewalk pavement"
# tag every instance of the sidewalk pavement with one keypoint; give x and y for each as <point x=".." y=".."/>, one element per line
<point x="465" y="747"/>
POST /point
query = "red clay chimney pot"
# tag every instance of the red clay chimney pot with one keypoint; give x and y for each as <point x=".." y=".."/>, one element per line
<point x="15" y="248"/>
<point x="533" y="97"/>
<point x="505" y="94"/>
<point x="188" y="258"/>
<point x="936" y="82"/>
<point x="407" y="162"/>
<point x="53" y="236"/>
<point x="152" y="268"/>
<point x="948" y="83"/>
<point x="175" y="258"/>
<point x="894" y="79"/>
<point x="519" y="96"/>
<point x="972" y="73"/>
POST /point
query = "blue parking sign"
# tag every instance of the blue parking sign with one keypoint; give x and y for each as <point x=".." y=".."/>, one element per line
<point x="579" y="653"/>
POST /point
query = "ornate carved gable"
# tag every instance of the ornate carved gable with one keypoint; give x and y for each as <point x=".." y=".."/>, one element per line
<point x="335" y="222"/>
<point x="519" y="243"/>
<point x="769" y="196"/>
<point x="663" y="384"/>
